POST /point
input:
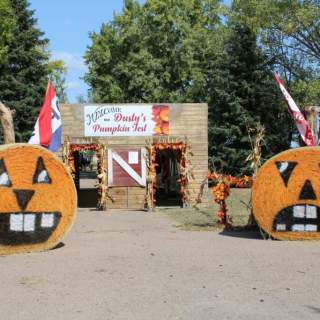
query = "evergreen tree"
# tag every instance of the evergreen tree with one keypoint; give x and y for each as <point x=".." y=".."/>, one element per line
<point x="243" y="93"/>
<point x="24" y="74"/>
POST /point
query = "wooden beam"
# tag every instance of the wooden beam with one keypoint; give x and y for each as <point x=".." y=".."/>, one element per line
<point x="7" y="123"/>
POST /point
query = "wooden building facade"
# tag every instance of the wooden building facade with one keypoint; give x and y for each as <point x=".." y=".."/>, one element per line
<point x="166" y="168"/>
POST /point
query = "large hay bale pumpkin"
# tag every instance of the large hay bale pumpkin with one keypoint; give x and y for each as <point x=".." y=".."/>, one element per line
<point x="286" y="195"/>
<point x="37" y="199"/>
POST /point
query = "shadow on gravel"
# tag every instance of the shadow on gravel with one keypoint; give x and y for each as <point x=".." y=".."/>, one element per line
<point x="314" y="309"/>
<point x="58" y="246"/>
<point x="242" y="233"/>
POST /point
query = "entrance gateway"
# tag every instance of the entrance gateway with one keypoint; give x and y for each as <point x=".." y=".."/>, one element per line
<point x="136" y="156"/>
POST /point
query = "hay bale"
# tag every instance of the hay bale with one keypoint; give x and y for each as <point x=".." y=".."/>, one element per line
<point x="37" y="199"/>
<point x="286" y="195"/>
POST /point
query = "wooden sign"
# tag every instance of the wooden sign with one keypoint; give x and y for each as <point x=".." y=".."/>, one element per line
<point x="286" y="195"/>
<point x="126" y="168"/>
<point x="38" y="199"/>
<point x="126" y="120"/>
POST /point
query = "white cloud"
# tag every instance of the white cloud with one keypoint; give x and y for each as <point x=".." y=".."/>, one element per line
<point x="74" y="85"/>
<point x="73" y="61"/>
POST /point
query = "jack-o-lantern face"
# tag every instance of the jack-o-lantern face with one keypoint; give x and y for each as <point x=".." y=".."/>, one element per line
<point x="37" y="199"/>
<point x="286" y="195"/>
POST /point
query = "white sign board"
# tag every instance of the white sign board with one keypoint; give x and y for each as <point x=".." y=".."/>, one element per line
<point x="125" y="120"/>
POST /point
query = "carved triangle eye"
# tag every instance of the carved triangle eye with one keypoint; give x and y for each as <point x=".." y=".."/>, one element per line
<point x="4" y="176"/>
<point x="41" y="174"/>
<point x="285" y="169"/>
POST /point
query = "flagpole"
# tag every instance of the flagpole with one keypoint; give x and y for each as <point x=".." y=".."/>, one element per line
<point x="301" y="122"/>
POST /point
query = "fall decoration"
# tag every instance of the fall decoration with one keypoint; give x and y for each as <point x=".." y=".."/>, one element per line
<point x="220" y="192"/>
<point x="160" y="115"/>
<point x="100" y="149"/>
<point x="255" y="159"/>
<point x="286" y="195"/>
<point x="38" y="199"/>
<point x="233" y="182"/>
<point x="184" y="164"/>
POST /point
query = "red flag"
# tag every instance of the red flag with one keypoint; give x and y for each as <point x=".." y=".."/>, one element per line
<point x="300" y="120"/>
<point x="42" y="134"/>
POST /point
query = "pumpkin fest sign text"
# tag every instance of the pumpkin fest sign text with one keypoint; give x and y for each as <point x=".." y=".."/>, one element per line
<point x="126" y="120"/>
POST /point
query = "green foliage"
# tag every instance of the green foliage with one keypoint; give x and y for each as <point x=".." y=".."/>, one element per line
<point x="161" y="51"/>
<point x="180" y="51"/>
<point x="290" y="33"/>
<point x="24" y="73"/>
<point x="57" y="73"/>
<point x="243" y="95"/>
<point x="7" y="24"/>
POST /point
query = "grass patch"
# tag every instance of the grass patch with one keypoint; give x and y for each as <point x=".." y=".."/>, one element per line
<point x="205" y="218"/>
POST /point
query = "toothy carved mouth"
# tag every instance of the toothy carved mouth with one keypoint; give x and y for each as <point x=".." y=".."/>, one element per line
<point x="298" y="218"/>
<point x="18" y="228"/>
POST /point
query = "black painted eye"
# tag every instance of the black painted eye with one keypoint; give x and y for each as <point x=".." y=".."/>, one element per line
<point x="4" y="177"/>
<point x="41" y="174"/>
<point x="285" y="169"/>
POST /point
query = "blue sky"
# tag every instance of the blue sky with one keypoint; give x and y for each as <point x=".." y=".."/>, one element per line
<point x="67" y="24"/>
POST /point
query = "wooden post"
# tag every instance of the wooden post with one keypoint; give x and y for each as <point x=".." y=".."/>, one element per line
<point x="7" y="124"/>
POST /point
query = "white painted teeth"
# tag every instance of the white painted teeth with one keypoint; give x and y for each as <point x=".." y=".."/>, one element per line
<point x="304" y="213"/>
<point x="29" y="222"/>
<point x="298" y="227"/>
<point x="298" y="211"/>
<point x="16" y="222"/>
<point x="281" y="227"/>
<point x="47" y="220"/>
<point x="311" y="212"/>
<point x="311" y="227"/>
<point x="26" y="222"/>
<point x="304" y="227"/>
<point x="21" y="222"/>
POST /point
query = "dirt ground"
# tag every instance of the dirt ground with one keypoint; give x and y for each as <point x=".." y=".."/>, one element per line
<point x="137" y="265"/>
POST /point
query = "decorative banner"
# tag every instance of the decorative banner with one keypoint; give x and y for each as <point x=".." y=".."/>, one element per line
<point x="47" y="130"/>
<point x="301" y="122"/>
<point x="126" y="120"/>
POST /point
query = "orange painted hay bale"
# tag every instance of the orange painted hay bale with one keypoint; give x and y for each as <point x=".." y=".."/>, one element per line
<point x="286" y="195"/>
<point x="37" y="199"/>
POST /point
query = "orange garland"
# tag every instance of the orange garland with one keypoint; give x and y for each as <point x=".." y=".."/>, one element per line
<point x="221" y="191"/>
<point x="101" y="168"/>
<point x="233" y="182"/>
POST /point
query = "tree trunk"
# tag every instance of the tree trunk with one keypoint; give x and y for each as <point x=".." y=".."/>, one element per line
<point x="7" y="124"/>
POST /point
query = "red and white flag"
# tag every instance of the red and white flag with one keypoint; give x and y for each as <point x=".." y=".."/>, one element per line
<point x="47" y="131"/>
<point x="299" y="118"/>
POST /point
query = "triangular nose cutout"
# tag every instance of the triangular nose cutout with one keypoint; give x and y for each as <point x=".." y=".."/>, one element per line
<point x="23" y="197"/>
<point x="307" y="192"/>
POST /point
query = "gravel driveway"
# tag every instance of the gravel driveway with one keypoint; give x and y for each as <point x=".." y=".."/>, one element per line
<point x="136" y="265"/>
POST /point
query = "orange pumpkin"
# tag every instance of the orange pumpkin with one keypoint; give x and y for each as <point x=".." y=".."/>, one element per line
<point x="37" y="199"/>
<point x="286" y="195"/>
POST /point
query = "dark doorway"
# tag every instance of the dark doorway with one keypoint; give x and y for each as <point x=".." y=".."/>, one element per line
<point x="168" y="188"/>
<point x="86" y="178"/>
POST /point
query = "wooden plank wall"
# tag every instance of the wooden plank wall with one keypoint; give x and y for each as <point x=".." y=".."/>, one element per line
<point x="186" y="120"/>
